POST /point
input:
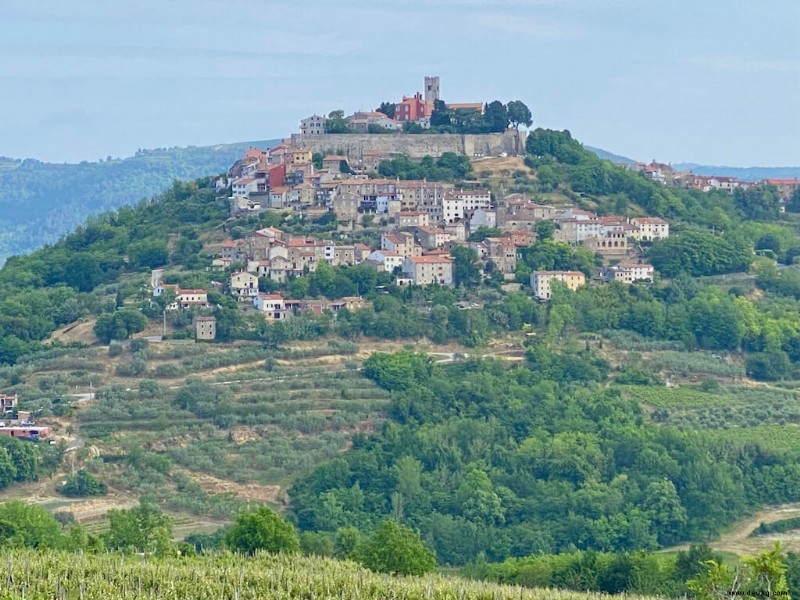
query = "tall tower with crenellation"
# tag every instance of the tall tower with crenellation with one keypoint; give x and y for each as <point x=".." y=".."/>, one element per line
<point x="432" y="89"/>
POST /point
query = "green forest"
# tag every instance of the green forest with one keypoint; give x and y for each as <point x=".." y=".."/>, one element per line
<point x="496" y="461"/>
<point x="41" y="202"/>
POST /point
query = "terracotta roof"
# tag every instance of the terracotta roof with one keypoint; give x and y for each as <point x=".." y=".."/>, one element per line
<point x="295" y="242"/>
<point x="649" y="221"/>
<point x="418" y="183"/>
<point x="431" y="229"/>
<point x="471" y="192"/>
<point x="394" y="239"/>
<point x="430" y="259"/>
<point x="567" y="273"/>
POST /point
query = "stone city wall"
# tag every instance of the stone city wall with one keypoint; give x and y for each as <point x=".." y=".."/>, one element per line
<point x="414" y="145"/>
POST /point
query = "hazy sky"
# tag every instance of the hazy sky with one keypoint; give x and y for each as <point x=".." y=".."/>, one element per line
<point x="709" y="81"/>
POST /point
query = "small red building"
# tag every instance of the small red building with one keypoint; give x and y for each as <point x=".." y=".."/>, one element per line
<point x="26" y="432"/>
<point x="413" y="109"/>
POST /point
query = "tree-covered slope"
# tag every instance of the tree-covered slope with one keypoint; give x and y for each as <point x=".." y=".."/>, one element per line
<point x="40" y="202"/>
<point x="497" y="461"/>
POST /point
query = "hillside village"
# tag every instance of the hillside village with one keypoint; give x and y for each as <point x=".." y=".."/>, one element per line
<point x="417" y="223"/>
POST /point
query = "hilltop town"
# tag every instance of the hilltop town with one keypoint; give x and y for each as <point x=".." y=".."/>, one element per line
<point x="412" y="228"/>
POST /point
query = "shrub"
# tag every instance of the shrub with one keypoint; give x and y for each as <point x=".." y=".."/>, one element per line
<point x="83" y="484"/>
<point x="263" y="529"/>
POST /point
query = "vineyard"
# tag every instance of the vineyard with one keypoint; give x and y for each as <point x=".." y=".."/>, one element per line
<point x="50" y="575"/>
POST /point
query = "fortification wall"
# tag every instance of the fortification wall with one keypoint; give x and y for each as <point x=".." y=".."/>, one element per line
<point x="414" y="145"/>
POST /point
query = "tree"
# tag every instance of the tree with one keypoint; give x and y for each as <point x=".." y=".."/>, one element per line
<point x="440" y="117"/>
<point x="769" y="242"/>
<point x="346" y="542"/>
<point x="700" y="253"/>
<point x="119" y="325"/>
<point x="83" y="484"/>
<point x="262" y="529"/>
<point x="755" y="577"/>
<point x="761" y="202"/>
<point x="519" y="114"/>
<point x="144" y="528"/>
<point x="27" y="526"/>
<point x="396" y="549"/>
<point x="149" y="253"/>
<point x="399" y="370"/>
<point x="768" y="366"/>
<point x="336" y="123"/>
<point x="83" y="272"/>
<point x="478" y="500"/>
<point x="793" y="205"/>
<point x="545" y="230"/>
<point x="691" y="563"/>
<point x="495" y="115"/>
<point x="25" y="459"/>
<point x="458" y="164"/>
<point x="466" y="272"/>
<point x="387" y="108"/>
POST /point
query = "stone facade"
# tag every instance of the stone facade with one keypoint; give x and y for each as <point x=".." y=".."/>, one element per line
<point x="355" y="146"/>
<point x="205" y="328"/>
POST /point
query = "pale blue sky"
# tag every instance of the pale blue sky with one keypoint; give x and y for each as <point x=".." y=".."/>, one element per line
<point x="708" y="81"/>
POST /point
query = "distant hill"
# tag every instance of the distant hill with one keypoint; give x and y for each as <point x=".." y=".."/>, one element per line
<point x="743" y="173"/>
<point x="40" y="202"/>
<point x="615" y="158"/>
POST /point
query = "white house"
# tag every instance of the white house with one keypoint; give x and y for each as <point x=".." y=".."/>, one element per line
<point x="313" y="125"/>
<point x="273" y="306"/>
<point x="388" y="259"/>
<point x="650" y="229"/>
<point x="427" y="270"/>
<point x="629" y="272"/>
<point x="183" y="298"/>
<point x="243" y="186"/>
<point x="541" y="282"/>
<point x="244" y="285"/>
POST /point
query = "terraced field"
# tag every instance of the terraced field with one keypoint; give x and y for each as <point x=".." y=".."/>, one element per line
<point x="202" y="429"/>
<point x="747" y="409"/>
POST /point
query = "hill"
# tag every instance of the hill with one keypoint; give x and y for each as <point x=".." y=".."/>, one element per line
<point x="40" y="202"/>
<point x="506" y="427"/>
<point x="615" y="158"/>
<point x="742" y="173"/>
